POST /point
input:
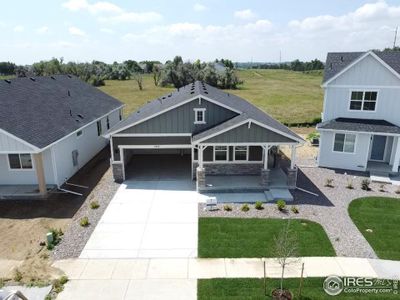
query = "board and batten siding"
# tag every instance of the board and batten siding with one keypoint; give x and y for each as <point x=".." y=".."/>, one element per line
<point x="340" y="160"/>
<point x="181" y="119"/>
<point x="244" y="134"/>
<point x="10" y="144"/>
<point x="367" y="75"/>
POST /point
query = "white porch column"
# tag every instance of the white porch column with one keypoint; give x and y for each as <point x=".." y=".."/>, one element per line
<point x="396" y="161"/>
<point x="200" y="156"/>
<point x="266" y="152"/>
<point x="293" y="157"/>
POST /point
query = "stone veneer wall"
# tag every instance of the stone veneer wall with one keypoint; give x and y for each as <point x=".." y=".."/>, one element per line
<point x="230" y="169"/>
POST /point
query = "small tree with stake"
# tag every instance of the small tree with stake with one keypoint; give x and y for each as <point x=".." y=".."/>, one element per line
<point x="286" y="246"/>
<point x="139" y="79"/>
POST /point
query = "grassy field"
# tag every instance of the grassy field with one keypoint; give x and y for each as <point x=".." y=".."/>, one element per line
<point x="382" y="216"/>
<point x="230" y="237"/>
<point x="252" y="289"/>
<point x="291" y="97"/>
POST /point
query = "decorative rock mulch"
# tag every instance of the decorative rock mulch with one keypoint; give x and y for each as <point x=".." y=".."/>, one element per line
<point x="76" y="236"/>
<point x="329" y="208"/>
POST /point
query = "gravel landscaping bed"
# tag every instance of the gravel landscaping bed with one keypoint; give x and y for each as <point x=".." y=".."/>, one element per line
<point x="330" y="208"/>
<point x="76" y="236"/>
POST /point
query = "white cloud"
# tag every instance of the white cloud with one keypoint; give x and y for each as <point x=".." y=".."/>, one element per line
<point x="42" y="30"/>
<point x="107" y="30"/>
<point x="246" y="14"/>
<point x="19" y="28"/>
<point x="112" y="13"/>
<point x="76" y="31"/>
<point x="199" y="7"/>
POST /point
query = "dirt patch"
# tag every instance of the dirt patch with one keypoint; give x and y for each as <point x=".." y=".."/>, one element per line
<point x="24" y="223"/>
<point x="305" y="154"/>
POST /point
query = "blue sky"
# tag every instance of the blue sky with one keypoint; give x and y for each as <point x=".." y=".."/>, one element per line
<point x="83" y="30"/>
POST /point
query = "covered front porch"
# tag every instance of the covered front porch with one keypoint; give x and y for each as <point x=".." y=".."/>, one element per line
<point x="384" y="154"/>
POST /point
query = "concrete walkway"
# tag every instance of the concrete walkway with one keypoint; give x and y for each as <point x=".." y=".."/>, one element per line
<point x="175" y="278"/>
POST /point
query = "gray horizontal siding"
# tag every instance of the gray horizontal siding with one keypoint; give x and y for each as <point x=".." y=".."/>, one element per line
<point x="181" y="119"/>
<point x="254" y="134"/>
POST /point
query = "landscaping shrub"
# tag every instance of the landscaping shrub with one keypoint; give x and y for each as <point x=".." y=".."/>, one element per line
<point x="227" y="207"/>
<point x="365" y="185"/>
<point x="17" y="275"/>
<point x="295" y="209"/>
<point x="349" y="185"/>
<point x="259" y="205"/>
<point x="397" y="191"/>
<point x="94" y="205"/>
<point x="57" y="234"/>
<point x="382" y="188"/>
<point x="281" y="204"/>
<point x="329" y="182"/>
<point x="84" y="222"/>
<point x="245" y="207"/>
<point x="313" y="135"/>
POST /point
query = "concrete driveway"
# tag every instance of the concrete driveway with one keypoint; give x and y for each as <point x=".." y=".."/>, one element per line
<point x="148" y="219"/>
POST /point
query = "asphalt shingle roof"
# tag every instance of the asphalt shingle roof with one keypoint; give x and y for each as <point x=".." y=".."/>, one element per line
<point x="360" y="125"/>
<point x="200" y="89"/>
<point x="337" y="61"/>
<point x="43" y="110"/>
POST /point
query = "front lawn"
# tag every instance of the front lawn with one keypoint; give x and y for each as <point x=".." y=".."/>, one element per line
<point x="251" y="289"/>
<point x="234" y="237"/>
<point x="378" y="219"/>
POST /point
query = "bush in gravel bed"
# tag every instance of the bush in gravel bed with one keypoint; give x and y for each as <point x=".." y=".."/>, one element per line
<point x="245" y="207"/>
<point x="295" y="210"/>
<point x="350" y="185"/>
<point x="365" y="185"/>
<point x="382" y="188"/>
<point x="94" y="205"/>
<point x="281" y="204"/>
<point x="259" y="205"/>
<point x="397" y="191"/>
<point x="84" y="222"/>
<point x="227" y="207"/>
<point x="329" y="182"/>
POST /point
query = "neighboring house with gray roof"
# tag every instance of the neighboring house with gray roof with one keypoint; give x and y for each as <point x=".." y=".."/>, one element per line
<point x="360" y="127"/>
<point x="216" y="132"/>
<point x="50" y="127"/>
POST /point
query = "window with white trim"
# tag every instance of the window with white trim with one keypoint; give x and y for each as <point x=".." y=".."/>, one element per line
<point x="99" y="128"/>
<point x="120" y="114"/>
<point x="344" y="143"/>
<point x="199" y="116"/>
<point x="363" y="100"/>
<point x="240" y="153"/>
<point x="221" y="153"/>
<point x="20" y="161"/>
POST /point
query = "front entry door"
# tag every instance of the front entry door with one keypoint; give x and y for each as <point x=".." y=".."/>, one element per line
<point x="378" y="147"/>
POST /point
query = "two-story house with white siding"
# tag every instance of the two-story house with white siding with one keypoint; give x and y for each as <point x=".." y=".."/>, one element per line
<point x="50" y="127"/>
<point x="360" y="127"/>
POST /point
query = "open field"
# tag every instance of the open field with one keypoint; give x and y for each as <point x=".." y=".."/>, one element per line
<point x="229" y="237"/>
<point x="290" y="97"/>
<point x="251" y="289"/>
<point x="378" y="219"/>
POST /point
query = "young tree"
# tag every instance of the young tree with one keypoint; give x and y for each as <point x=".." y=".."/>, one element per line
<point x="157" y="74"/>
<point x="139" y="79"/>
<point x="286" y="246"/>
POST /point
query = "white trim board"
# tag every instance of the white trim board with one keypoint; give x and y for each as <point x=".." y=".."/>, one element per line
<point x="151" y="134"/>
<point x="187" y="146"/>
<point x="171" y="108"/>
<point x="356" y="132"/>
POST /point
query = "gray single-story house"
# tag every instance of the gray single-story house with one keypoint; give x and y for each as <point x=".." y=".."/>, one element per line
<point x="215" y="132"/>
<point x="50" y="127"/>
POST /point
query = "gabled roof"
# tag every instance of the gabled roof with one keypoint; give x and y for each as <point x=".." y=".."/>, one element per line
<point x="42" y="110"/>
<point x="200" y="89"/>
<point x="336" y="62"/>
<point x="360" y="125"/>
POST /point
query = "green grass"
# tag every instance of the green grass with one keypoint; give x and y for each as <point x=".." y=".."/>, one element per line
<point x="234" y="237"/>
<point x="251" y="289"/>
<point x="382" y="215"/>
<point x="275" y="91"/>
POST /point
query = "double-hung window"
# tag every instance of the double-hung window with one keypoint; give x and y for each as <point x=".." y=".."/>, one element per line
<point x="240" y="153"/>
<point x="344" y="143"/>
<point x="199" y="116"/>
<point x="363" y="100"/>
<point x="220" y="153"/>
<point x="20" y="161"/>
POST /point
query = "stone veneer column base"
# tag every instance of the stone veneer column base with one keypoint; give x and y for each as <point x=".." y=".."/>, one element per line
<point x="292" y="178"/>
<point x="265" y="178"/>
<point x="118" y="171"/>
<point x="200" y="178"/>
